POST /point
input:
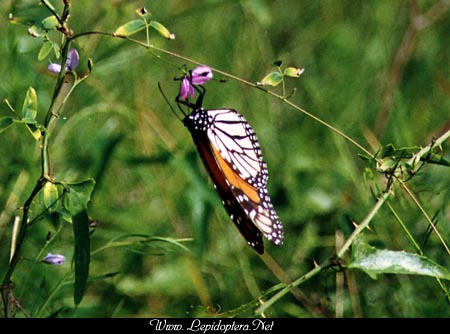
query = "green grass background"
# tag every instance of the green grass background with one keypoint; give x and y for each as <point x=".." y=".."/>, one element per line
<point x="117" y="128"/>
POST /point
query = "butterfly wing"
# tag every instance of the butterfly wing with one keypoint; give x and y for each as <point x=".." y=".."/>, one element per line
<point x="237" y="152"/>
<point x="231" y="153"/>
<point x="234" y="209"/>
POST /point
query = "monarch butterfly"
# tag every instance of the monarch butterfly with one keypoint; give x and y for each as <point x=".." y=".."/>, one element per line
<point x="231" y="154"/>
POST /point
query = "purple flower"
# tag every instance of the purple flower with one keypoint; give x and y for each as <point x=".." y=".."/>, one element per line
<point x="71" y="63"/>
<point x="54" y="259"/>
<point x="199" y="76"/>
<point x="186" y="89"/>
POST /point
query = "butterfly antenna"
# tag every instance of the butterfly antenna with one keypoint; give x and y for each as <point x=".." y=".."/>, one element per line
<point x="167" y="101"/>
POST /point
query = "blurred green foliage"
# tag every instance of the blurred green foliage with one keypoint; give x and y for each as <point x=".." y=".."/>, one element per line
<point x="378" y="71"/>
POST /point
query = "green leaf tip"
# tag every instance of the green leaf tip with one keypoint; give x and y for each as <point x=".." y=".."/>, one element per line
<point x="375" y="261"/>
<point x="272" y="79"/>
<point x="130" y="28"/>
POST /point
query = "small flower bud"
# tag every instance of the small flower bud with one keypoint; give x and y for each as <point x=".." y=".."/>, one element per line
<point x="72" y="59"/>
<point x="54" y="259"/>
<point x="71" y="64"/>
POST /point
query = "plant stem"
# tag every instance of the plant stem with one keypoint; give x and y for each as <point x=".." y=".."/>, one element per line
<point x="289" y="287"/>
<point x="7" y="284"/>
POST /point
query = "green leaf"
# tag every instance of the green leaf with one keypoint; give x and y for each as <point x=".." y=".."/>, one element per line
<point x="437" y="159"/>
<point x="5" y="122"/>
<point x="293" y="72"/>
<point x="375" y="261"/>
<point x="50" y="23"/>
<point x="29" y="109"/>
<point x="404" y="152"/>
<point x="50" y="195"/>
<point x="391" y="157"/>
<point x="387" y="165"/>
<point x="29" y="112"/>
<point x="130" y="28"/>
<point x="65" y="215"/>
<point x="365" y="157"/>
<point x="21" y="20"/>
<point x="162" y="30"/>
<point x="271" y="79"/>
<point x="80" y="223"/>
<point x="78" y="196"/>
<point x="76" y="200"/>
<point x="46" y="48"/>
<point x="104" y="276"/>
<point x="56" y="49"/>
